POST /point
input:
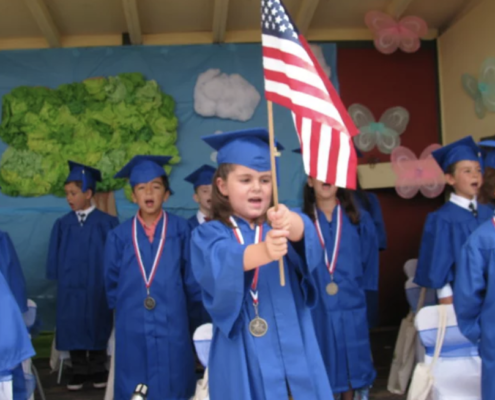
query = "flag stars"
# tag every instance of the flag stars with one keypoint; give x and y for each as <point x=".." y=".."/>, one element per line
<point x="282" y="28"/>
<point x="270" y="3"/>
<point x="278" y="20"/>
<point x="267" y="25"/>
<point x="274" y="12"/>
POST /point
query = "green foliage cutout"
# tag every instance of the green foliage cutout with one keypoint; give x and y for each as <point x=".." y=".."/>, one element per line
<point x="101" y="122"/>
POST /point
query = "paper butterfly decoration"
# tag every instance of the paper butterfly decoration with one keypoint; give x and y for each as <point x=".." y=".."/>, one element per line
<point x="482" y="90"/>
<point x="384" y="134"/>
<point x="391" y="34"/>
<point x="414" y="175"/>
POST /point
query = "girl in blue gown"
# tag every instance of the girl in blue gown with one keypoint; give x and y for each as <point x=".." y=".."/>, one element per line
<point x="448" y="228"/>
<point x="264" y="346"/>
<point x="474" y="299"/>
<point x="350" y="268"/>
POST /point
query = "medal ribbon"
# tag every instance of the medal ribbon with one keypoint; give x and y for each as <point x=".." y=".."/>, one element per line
<point x="258" y="235"/>
<point x="149" y="280"/>
<point x="335" y="255"/>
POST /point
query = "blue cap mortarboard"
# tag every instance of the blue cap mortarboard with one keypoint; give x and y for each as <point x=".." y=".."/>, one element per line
<point x="143" y="169"/>
<point x="202" y="176"/>
<point x="462" y="150"/>
<point x="87" y="175"/>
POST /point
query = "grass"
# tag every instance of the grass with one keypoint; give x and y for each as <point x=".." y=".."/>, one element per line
<point x="43" y="344"/>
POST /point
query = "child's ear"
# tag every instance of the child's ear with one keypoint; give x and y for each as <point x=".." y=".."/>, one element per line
<point x="88" y="194"/>
<point x="222" y="187"/>
<point x="450" y="179"/>
<point x="195" y="197"/>
<point x="133" y="196"/>
<point x="166" y="196"/>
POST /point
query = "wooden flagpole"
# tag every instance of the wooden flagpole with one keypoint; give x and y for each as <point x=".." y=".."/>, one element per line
<point x="271" y="134"/>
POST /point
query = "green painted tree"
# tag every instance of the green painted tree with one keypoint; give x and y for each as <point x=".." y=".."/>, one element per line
<point x="101" y="122"/>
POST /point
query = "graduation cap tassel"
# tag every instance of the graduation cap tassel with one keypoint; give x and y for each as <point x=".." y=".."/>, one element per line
<point x="85" y="187"/>
<point x="271" y="135"/>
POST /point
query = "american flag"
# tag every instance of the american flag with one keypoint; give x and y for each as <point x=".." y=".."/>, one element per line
<point x="295" y="79"/>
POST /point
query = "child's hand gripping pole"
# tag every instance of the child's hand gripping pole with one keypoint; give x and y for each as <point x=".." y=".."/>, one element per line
<point x="273" y="154"/>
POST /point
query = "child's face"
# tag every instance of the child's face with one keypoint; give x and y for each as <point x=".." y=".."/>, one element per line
<point x="150" y="196"/>
<point x="249" y="191"/>
<point x="77" y="199"/>
<point x="467" y="179"/>
<point x="203" y="197"/>
<point x="323" y="191"/>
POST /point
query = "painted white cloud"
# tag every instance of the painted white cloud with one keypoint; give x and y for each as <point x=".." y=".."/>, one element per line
<point x="318" y="52"/>
<point x="225" y="96"/>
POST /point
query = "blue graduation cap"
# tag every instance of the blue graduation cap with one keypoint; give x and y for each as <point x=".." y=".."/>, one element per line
<point x="488" y="150"/>
<point x="87" y="175"/>
<point x="202" y="176"/>
<point x="143" y="169"/>
<point x="249" y="148"/>
<point x="463" y="150"/>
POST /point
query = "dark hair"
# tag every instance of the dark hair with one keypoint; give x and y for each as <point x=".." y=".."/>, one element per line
<point x="343" y="195"/>
<point x="220" y="204"/>
<point x="487" y="190"/>
<point x="79" y="184"/>
<point x="363" y="197"/>
<point x="165" y="182"/>
<point x="450" y="170"/>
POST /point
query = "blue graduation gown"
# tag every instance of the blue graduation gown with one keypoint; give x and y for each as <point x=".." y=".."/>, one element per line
<point x="474" y="299"/>
<point x="153" y="347"/>
<point x="15" y="344"/>
<point x="75" y="260"/>
<point x="341" y="320"/>
<point x="375" y="211"/>
<point x="244" y="367"/>
<point x="12" y="271"/>
<point x="445" y="232"/>
<point x="193" y="222"/>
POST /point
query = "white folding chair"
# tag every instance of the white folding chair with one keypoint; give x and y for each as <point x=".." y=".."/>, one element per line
<point x="202" y="342"/>
<point x="457" y="372"/>
<point x="28" y="366"/>
<point x="6" y="391"/>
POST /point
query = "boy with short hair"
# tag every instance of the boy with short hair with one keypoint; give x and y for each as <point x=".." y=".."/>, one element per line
<point x="75" y="260"/>
<point x="151" y="287"/>
<point x="201" y="180"/>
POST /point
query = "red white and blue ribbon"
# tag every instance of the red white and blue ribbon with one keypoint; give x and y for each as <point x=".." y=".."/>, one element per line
<point x="148" y="280"/>
<point x="258" y="235"/>
<point x="331" y="264"/>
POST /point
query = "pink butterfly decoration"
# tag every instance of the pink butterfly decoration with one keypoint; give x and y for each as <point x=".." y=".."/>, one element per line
<point x="391" y="34"/>
<point x="415" y="175"/>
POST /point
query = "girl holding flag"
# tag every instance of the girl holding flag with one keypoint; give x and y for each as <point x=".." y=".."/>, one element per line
<point x="350" y="268"/>
<point x="264" y="345"/>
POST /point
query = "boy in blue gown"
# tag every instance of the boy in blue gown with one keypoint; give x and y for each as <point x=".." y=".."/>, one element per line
<point x="447" y="229"/>
<point x="75" y="261"/>
<point x="474" y="299"/>
<point x="151" y="287"/>
<point x="201" y="180"/>
<point x="264" y="345"/>
<point x="12" y="271"/>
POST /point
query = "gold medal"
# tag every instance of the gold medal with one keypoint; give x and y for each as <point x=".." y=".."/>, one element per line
<point x="258" y="327"/>
<point x="149" y="303"/>
<point x="332" y="289"/>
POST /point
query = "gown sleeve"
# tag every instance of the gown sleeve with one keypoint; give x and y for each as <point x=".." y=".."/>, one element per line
<point x="113" y="257"/>
<point x="369" y="252"/>
<point x="53" y="251"/>
<point x="469" y="288"/>
<point x="309" y="256"/>
<point x="196" y="311"/>
<point x="436" y="255"/>
<point x="12" y="271"/>
<point x="217" y="261"/>
<point x="377" y="216"/>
